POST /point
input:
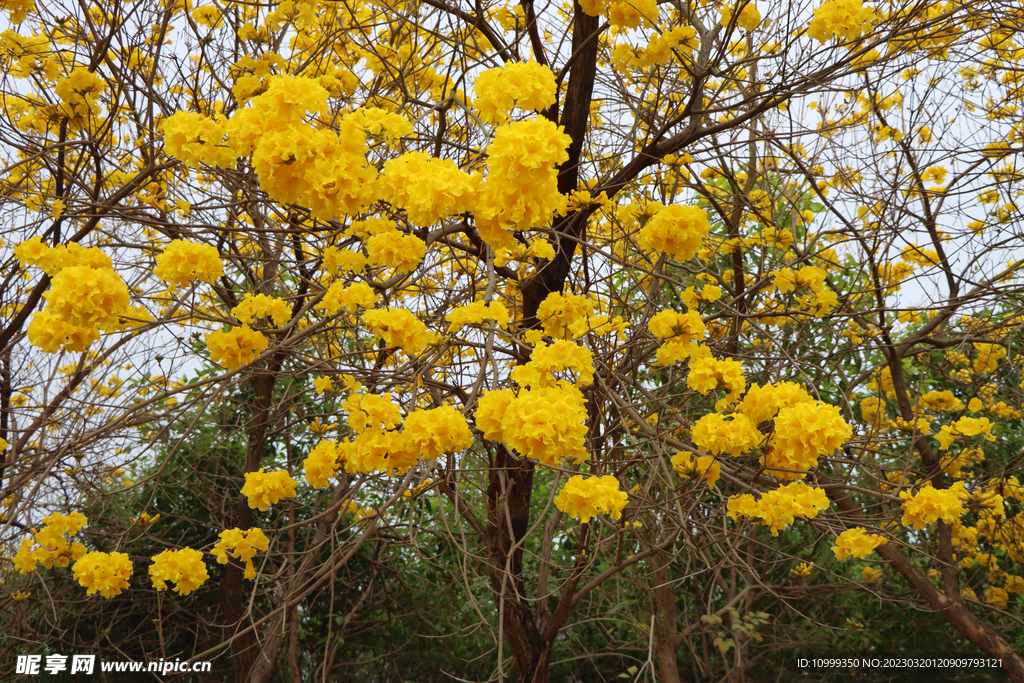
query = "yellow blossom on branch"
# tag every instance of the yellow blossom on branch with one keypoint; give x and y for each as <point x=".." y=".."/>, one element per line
<point x="676" y="230"/>
<point x="83" y="296"/>
<point x="706" y="466"/>
<point x="734" y="434"/>
<point x="242" y="545"/>
<point x="183" y="261"/>
<point x="51" y="548"/>
<point x="184" y="567"/>
<point x="255" y="306"/>
<point x="338" y="296"/>
<point x="322" y="463"/>
<point x="779" y="507"/>
<point x="584" y="498"/>
<point x="803" y="433"/>
<point x="264" y="489"/>
<point x="843" y="19"/>
<point x="236" y="347"/>
<point x="399" y="327"/>
<point x="856" y="542"/>
<point x="529" y="86"/>
<point x="930" y="504"/>
<point x="103" y="573"/>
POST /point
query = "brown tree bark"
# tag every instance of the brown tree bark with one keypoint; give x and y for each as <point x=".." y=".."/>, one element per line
<point x="665" y="632"/>
<point x="242" y="654"/>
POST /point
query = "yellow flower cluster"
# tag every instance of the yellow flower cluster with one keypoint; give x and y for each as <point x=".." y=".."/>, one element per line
<point x="1014" y="583"/>
<point x="762" y="403"/>
<point x="541" y="249"/>
<point x="399" y="327"/>
<point x="183" y="567"/>
<point x="844" y="19"/>
<point x="558" y="356"/>
<point x="370" y="226"/>
<point x="545" y="420"/>
<point x="371" y="411"/>
<point x="476" y="313"/>
<point x="733" y="434"/>
<point x="530" y="86"/>
<point x="383" y="123"/>
<point x="236" y="347"/>
<point x="930" y="504"/>
<point x="788" y="280"/>
<point x="338" y="296"/>
<point x="856" y="543"/>
<point x="871" y="575"/>
<point x="145" y="519"/>
<point x="670" y="325"/>
<point x="545" y="424"/>
<point x="965" y="459"/>
<point x="563" y="315"/>
<point x="322" y="463"/>
<point x="88" y="297"/>
<point x="342" y="261"/>
<point x="207" y="15"/>
<point x="883" y="382"/>
<point x="242" y="545"/>
<point x="988" y="358"/>
<point x="660" y="49"/>
<point x="821" y="299"/>
<point x="748" y="18"/>
<point x="584" y="498"/>
<point x="85" y="295"/>
<point x="393" y="249"/>
<point x="264" y="489"/>
<point x="33" y="252"/>
<point x="428" y="189"/>
<point x="377" y="448"/>
<point x="778" y="508"/>
<point x="196" y="139"/>
<point x="51" y="260"/>
<point x="630" y="13"/>
<point x="965" y="426"/>
<point x="317" y="167"/>
<point x="803" y="433"/>
<point x="52" y="547"/>
<point x="520" y="190"/>
<point x="255" y="306"/>
<point x="103" y="573"/>
<point x="184" y="261"/>
<point x="51" y="334"/>
<point x="995" y="595"/>
<point x="706" y="466"/>
<point x="872" y="411"/>
<point x="78" y="93"/>
<point x="708" y="373"/>
<point x="988" y="504"/>
<point x="18" y="10"/>
<point x="432" y="433"/>
<point x="681" y="333"/>
<point x="676" y="230"/>
<point x="803" y="569"/>
<point x="296" y="163"/>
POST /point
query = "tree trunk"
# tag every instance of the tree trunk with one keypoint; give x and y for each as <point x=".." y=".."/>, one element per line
<point x="242" y="647"/>
<point x="664" y="619"/>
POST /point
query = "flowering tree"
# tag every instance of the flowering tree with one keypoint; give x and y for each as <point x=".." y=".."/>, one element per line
<point x="682" y="312"/>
